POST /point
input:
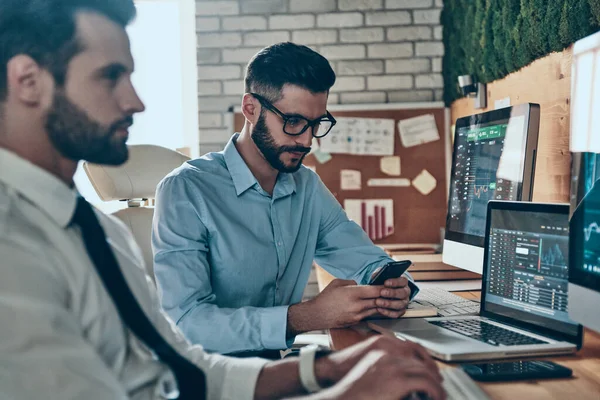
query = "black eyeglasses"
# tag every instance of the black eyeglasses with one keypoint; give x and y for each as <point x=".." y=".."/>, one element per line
<point x="296" y="125"/>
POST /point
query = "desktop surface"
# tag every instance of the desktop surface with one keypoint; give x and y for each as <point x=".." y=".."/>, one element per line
<point x="585" y="383"/>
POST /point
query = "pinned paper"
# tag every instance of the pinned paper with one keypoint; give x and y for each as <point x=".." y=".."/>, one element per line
<point x="321" y="156"/>
<point x="424" y="182"/>
<point x="502" y="103"/>
<point x="361" y="136"/>
<point x="350" y="179"/>
<point x="376" y="217"/>
<point x="418" y="130"/>
<point x="390" y="165"/>
<point x="398" y="182"/>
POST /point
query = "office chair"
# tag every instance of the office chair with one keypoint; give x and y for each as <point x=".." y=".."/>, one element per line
<point x="135" y="182"/>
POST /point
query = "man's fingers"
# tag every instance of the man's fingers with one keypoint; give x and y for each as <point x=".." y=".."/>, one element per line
<point x="425" y="385"/>
<point x="393" y="305"/>
<point x="400" y="294"/>
<point x="341" y="282"/>
<point x="367" y="291"/>
<point x="368" y="304"/>
<point x="396" y="282"/>
<point x="391" y="314"/>
<point x="366" y="314"/>
<point x="422" y="354"/>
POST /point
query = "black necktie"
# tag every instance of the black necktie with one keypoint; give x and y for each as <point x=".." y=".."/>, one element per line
<point x="190" y="379"/>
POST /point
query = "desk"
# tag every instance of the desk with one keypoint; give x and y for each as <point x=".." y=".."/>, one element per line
<point x="584" y="385"/>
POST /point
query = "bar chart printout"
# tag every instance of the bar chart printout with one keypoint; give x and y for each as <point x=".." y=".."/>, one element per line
<point x="376" y="217"/>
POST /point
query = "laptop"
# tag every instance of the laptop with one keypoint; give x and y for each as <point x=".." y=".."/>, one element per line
<point x="523" y="310"/>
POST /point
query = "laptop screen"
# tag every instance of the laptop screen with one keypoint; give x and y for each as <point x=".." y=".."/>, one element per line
<point x="526" y="270"/>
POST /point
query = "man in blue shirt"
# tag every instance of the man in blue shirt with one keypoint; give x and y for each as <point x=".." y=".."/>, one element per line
<point x="235" y="232"/>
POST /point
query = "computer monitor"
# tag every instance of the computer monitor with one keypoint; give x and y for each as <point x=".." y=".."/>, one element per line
<point x="584" y="259"/>
<point x="493" y="159"/>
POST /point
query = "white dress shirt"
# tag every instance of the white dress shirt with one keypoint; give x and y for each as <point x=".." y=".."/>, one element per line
<point x="60" y="334"/>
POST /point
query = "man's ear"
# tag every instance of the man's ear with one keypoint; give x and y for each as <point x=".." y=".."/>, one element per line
<point x="250" y="108"/>
<point x="26" y="80"/>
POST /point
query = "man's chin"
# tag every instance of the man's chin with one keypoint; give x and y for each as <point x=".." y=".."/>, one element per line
<point x="291" y="167"/>
<point x="115" y="157"/>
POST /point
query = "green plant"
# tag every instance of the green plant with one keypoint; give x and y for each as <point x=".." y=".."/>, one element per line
<point x="492" y="38"/>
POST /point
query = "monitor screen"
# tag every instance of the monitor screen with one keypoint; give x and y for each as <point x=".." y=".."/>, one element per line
<point x="489" y="163"/>
<point x="526" y="267"/>
<point x="585" y="239"/>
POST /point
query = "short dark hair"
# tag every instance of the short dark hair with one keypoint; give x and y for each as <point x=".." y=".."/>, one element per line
<point x="287" y="63"/>
<point x="45" y="30"/>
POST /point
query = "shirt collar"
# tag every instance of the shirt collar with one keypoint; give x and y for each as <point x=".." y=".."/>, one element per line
<point x="44" y="190"/>
<point x="243" y="179"/>
<point x="239" y="171"/>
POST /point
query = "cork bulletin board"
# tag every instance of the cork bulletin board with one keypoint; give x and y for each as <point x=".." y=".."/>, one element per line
<point x="417" y="217"/>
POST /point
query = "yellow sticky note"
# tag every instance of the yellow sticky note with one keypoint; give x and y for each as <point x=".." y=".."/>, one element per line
<point x="390" y="165"/>
<point x="425" y="182"/>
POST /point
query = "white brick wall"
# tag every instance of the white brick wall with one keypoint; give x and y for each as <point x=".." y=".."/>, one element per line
<point x="253" y="23"/>
<point x="408" y="4"/>
<point x="219" y="72"/>
<point x="401" y="50"/>
<point x="408" y="33"/>
<point x="361" y="35"/>
<point x="351" y="5"/>
<point x="315" y="6"/>
<point x="360" y="67"/>
<point x="339" y="20"/>
<point x="315" y="36"/>
<point x="387" y="82"/>
<point x="302" y="21"/>
<point x="388" y="18"/>
<point x="382" y="50"/>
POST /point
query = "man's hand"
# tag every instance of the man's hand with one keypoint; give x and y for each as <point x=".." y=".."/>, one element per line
<point x="342" y="303"/>
<point x="332" y="368"/>
<point x="394" y="298"/>
<point x="379" y="368"/>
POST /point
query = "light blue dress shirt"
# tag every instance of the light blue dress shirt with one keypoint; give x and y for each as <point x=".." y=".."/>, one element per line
<point x="229" y="258"/>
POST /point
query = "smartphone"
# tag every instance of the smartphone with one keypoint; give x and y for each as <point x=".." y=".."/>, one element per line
<point x="390" y="270"/>
<point x="517" y="370"/>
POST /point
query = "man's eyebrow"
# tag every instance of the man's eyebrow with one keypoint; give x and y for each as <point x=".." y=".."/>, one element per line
<point x="113" y="69"/>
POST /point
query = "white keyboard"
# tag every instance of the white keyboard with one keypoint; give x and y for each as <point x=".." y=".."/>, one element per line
<point x="447" y="304"/>
<point x="459" y="385"/>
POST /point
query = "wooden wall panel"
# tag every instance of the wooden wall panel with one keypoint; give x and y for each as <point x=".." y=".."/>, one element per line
<point x="547" y="82"/>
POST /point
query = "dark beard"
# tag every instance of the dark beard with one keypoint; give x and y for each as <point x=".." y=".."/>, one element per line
<point x="77" y="137"/>
<point x="272" y="153"/>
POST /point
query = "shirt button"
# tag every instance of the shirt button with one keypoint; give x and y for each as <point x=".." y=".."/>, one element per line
<point x="278" y="243"/>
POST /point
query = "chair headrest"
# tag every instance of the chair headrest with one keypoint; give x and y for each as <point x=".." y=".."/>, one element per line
<point x="138" y="177"/>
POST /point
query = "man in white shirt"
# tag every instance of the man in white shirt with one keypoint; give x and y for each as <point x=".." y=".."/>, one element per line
<point x="65" y="331"/>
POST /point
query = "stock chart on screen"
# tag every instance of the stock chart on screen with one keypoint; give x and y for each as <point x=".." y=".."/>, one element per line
<point x="475" y="181"/>
<point x="528" y="268"/>
<point x="591" y="234"/>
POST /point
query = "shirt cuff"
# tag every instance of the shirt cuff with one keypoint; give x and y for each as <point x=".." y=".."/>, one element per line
<point x="273" y="327"/>
<point x="240" y="378"/>
<point x="414" y="289"/>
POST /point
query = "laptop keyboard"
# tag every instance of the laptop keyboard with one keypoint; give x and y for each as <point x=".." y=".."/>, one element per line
<point x="447" y="304"/>
<point x="487" y="333"/>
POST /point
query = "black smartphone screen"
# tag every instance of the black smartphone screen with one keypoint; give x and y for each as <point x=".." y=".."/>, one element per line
<point x="517" y="370"/>
<point x="390" y="271"/>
